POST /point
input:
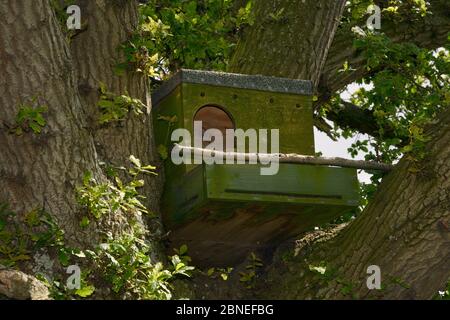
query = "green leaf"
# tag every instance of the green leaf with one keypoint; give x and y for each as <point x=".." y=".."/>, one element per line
<point x="21" y="257"/>
<point x="35" y="127"/>
<point x="135" y="161"/>
<point x="19" y="131"/>
<point x="85" y="292"/>
<point x="102" y="87"/>
<point x="318" y="269"/>
<point x="32" y="218"/>
<point x="106" y="104"/>
<point x="85" y="222"/>
<point x="175" y="260"/>
<point x="163" y="152"/>
<point x="40" y="120"/>
<point x="79" y="254"/>
<point x="137" y="183"/>
<point x="149" y="167"/>
<point x="63" y="257"/>
<point x="183" y="249"/>
<point x="87" y="178"/>
<point x="179" y="266"/>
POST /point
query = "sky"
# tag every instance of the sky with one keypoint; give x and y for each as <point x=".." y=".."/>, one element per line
<point x="330" y="148"/>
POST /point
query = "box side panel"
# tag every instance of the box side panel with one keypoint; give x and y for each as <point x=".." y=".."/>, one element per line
<point x="183" y="199"/>
<point x="170" y="107"/>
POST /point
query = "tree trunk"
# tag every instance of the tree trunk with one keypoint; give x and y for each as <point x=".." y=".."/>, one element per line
<point x="43" y="170"/>
<point x="297" y="45"/>
<point x="273" y="47"/>
<point x="96" y="53"/>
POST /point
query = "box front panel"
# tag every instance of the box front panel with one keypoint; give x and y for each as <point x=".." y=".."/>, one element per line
<point x="294" y="183"/>
<point x="252" y="109"/>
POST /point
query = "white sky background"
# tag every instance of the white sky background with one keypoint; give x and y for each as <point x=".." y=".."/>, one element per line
<point x="330" y="148"/>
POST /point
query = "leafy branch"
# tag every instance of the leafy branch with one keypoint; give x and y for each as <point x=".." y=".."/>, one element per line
<point x="30" y="117"/>
<point x="115" y="108"/>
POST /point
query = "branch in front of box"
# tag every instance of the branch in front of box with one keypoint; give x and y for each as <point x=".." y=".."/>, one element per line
<point x="289" y="158"/>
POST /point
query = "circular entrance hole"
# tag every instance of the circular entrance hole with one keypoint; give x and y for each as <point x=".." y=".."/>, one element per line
<point x="214" y="117"/>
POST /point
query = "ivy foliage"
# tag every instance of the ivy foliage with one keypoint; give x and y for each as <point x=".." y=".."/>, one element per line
<point x="25" y="236"/>
<point x="185" y="33"/>
<point x="115" y="108"/>
<point x="405" y="89"/>
<point x="400" y="10"/>
<point x="126" y="264"/>
<point x="223" y="273"/>
<point x="30" y="118"/>
<point x="121" y="264"/>
<point x="101" y="198"/>
<point x="248" y="277"/>
<point x="21" y="236"/>
<point x="445" y="294"/>
<point x="124" y="261"/>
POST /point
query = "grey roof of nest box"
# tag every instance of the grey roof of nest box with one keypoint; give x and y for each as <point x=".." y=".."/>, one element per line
<point x="232" y="80"/>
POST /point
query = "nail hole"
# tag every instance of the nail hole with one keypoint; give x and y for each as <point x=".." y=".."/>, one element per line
<point x="271" y="100"/>
<point x="202" y="94"/>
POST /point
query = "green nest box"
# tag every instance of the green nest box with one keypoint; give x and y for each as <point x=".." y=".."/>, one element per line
<point x="225" y="211"/>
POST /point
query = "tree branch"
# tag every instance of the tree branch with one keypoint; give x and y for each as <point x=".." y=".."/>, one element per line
<point x="287" y="158"/>
<point x="348" y="115"/>
<point x="429" y="32"/>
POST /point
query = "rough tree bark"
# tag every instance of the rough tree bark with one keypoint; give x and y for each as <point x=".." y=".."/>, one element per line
<point x="273" y="47"/>
<point x="42" y="170"/>
<point x="96" y="52"/>
<point x="36" y="60"/>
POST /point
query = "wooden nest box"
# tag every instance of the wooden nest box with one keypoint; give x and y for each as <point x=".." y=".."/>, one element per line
<point x="225" y="211"/>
